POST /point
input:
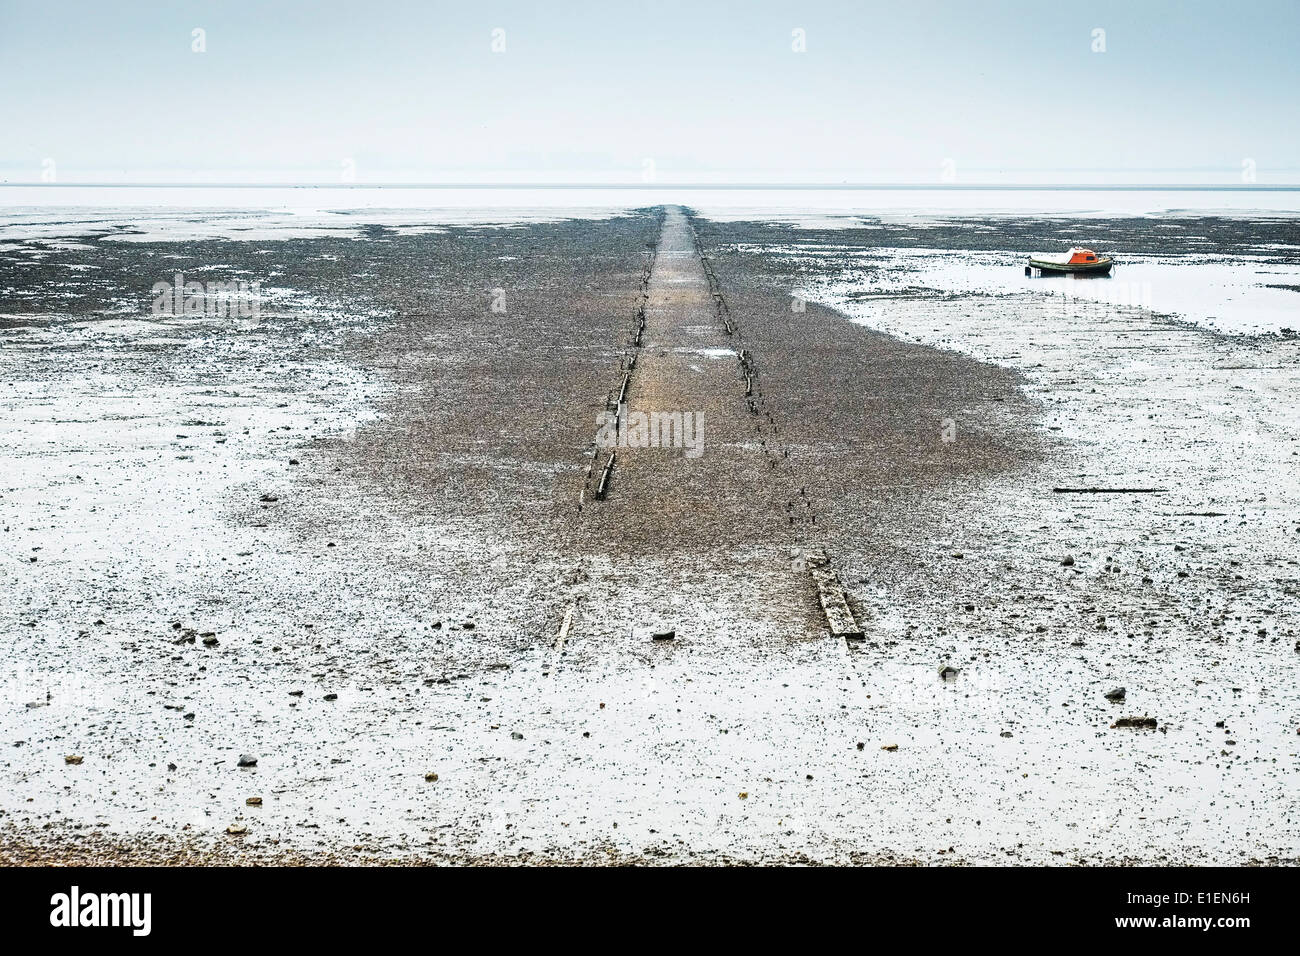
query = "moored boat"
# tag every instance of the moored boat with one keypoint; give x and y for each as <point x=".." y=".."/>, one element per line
<point x="1076" y="261"/>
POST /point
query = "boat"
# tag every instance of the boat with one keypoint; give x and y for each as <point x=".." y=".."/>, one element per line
<point x="1077" y="261"/>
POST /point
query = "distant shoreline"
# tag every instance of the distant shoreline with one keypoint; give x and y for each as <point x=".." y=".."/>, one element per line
<point x="760" y="187"/>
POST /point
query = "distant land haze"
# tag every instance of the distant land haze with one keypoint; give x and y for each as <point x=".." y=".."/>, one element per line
<point x="937" y="178"/>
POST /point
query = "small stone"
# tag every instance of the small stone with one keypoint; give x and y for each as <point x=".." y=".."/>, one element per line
<point x="948" y="672"/>
<point x="664" y="634"/>
<point x="254" y="801"/>
<point x="236" y="829"/>
<point x="1006" y="733"/>
<point x="516" y="735"/>
<point x="210" y="641"/>
<point x="171" y="766"/>
<point x="1067" y="561"/>
<point x="73" y="759"/>
<point x="744" y="795"/>
<point x="890" y="747"/>
<point x="431" y="777"/>
<point x="1116" y="695"/>
<point x="331" y="696"/>
<point x="247" y="760"/>
<point x="1142" y="723"/>
<point x="862" y="745"/>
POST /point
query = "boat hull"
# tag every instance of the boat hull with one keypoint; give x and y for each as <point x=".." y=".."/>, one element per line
<point x="1099" y="268"/>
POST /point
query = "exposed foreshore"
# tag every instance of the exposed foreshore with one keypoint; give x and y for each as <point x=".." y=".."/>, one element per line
<point x="361" y="537"/>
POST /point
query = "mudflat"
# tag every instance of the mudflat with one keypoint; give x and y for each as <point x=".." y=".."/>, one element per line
<point x="364" y="559"/>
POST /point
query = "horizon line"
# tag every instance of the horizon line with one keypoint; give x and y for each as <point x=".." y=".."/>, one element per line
<point x="1025" y="187"/>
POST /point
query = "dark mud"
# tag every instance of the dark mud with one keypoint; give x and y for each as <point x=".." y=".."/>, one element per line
<point x="1174" y="234"/>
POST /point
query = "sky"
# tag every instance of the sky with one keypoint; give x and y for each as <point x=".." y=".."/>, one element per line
<point x="923" y="92"/>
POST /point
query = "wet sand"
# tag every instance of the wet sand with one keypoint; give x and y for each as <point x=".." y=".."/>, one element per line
<point x="379" y="500"/>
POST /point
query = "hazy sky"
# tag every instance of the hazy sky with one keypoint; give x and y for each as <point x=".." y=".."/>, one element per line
<point x="885" y="91"/>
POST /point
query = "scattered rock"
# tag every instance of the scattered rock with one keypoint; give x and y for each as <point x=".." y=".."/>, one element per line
<point x="663" y="634"/>
<point x="1142" y="723"/>
<point x="210" y="640"/>
<point x="1116" y="695"/>
<point x="890" y="747"/>
<point x="516" y="735"/>
<point x="744" y="795"/>
<point x="1067" y="561"/>
<point x="247" y="760"/>
<point x="74" y="759"/>
<point x="236" y="829"/>
<point x="948" y="672"/>
<point x="431" y="777"/>
<point x="331" y="696"/>
<point x="254" y="801"/>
